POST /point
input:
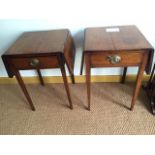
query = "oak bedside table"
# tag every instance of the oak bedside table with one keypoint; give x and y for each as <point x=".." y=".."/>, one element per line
<point x="119" y="46"/>
<point x="41" y="50"/>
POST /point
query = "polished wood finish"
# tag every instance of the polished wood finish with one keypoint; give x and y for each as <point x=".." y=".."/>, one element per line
<point x="122" y="48"/>
<point x="22" y="85"/>
<point x="43" y="62"/>
<point x="101" y="58"/>
<point x="62" y="67"/>
<point x="69" y="56"/>
<point x="139" y="79"/>
<point x="41" y="50"/>
<point x="129" y="38"/>
<point x="88" y="73"/>
<point x="40" y="42"/>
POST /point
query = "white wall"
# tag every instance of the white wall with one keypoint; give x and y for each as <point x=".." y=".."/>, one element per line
<point x="75" y="15"/>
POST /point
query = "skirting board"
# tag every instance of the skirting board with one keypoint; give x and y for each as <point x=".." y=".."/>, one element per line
<point x="78" y="79"/>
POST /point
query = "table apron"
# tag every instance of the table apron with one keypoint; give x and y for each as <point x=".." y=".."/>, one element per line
<point x="41" y="63"/>
<point x="116" y="59"/>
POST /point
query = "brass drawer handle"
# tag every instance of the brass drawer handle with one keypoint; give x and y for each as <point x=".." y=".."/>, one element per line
<point x="34" y="62"/>
<point x="114" y="59"/>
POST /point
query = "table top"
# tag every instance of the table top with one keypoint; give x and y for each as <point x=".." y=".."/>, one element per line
<point x="39" y="42"/>
<point x="115" y="38"/>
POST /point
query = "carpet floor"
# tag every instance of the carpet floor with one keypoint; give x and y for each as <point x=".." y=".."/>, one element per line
<point x="109" y="113"/>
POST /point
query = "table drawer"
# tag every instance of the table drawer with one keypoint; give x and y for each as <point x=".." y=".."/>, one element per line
<point x="116" y="59"/>
<point x="35" y="62"/>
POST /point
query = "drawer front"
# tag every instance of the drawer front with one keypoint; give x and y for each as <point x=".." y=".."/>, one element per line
<point x="35" y="62"/>
<point x="116" y="59"/>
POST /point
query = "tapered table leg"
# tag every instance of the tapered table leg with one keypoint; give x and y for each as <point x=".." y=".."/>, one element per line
<point x="139" y="80"/>
<point x="124" y="75"/>
<point x="40" y="77"/>
<point x="22" y="85"/>
<point x="82" y="63"/>
<point x="62" y="67"/>
<point x="72" y="77"/>
<point x="87" y="60"/>
<point x="71" y="74"/>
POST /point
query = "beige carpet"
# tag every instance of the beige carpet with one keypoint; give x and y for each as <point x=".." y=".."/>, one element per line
<point x="109" y="110"/>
